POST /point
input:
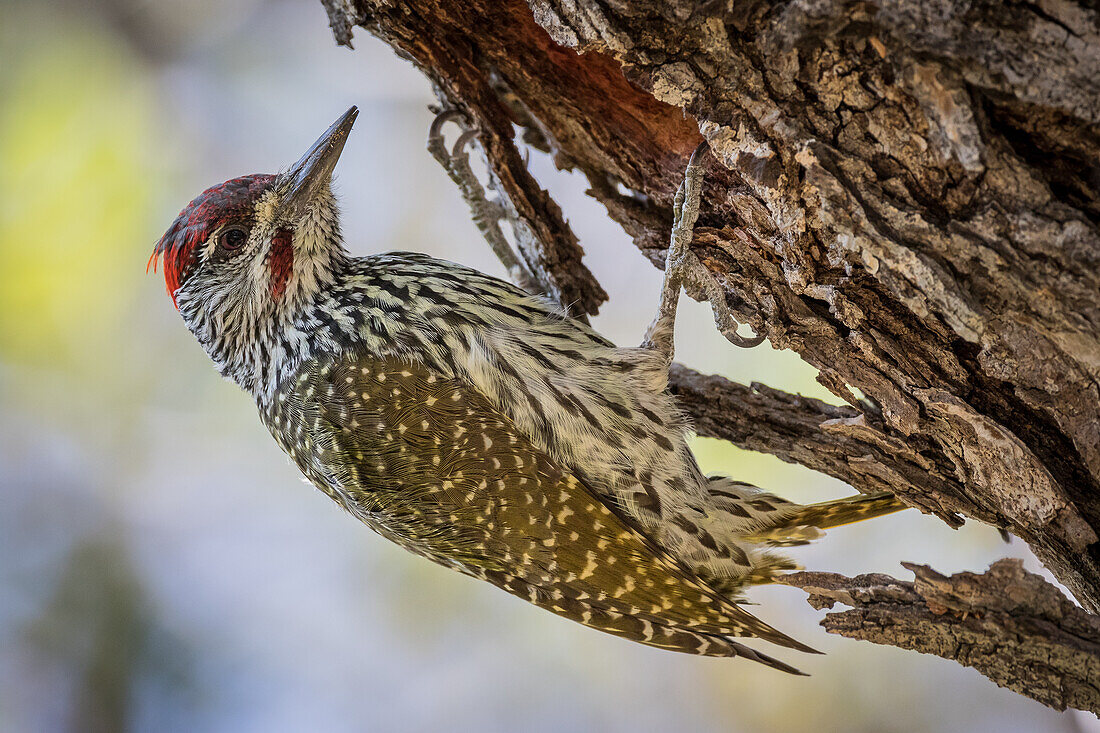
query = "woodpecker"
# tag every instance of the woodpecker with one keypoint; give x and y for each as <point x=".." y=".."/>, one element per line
<point x="476" y="424"/>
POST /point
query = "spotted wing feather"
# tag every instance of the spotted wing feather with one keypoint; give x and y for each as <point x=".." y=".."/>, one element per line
<point x="432" y="465"/>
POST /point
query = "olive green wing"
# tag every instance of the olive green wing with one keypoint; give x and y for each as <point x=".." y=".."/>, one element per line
<point x="434" y="466"/>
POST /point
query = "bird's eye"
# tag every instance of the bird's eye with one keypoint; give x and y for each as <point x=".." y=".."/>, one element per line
<point x="233" y="238"/>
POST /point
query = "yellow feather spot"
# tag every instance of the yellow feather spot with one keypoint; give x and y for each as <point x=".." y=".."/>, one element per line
<point x="590" y="567"/>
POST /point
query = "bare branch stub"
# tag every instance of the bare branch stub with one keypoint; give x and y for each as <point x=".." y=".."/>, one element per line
<point x="1011" y="625"/>
<point x="906" y="201"/>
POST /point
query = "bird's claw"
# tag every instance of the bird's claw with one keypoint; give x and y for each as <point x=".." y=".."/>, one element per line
<point x="487" y="214"/>
<point x="683" y="267"/>
<point x="447" y="115"/>
<point x="463" y="140"/>
<point x="437" y="144"/>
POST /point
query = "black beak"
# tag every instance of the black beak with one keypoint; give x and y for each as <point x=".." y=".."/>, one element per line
<point x="314" y="169"/>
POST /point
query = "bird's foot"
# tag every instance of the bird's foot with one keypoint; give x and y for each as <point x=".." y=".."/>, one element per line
<point x="487" y="213"/>
<point x="683" y="268"/>
<point x="685" y="210"/>
<point x="699" y="278"/>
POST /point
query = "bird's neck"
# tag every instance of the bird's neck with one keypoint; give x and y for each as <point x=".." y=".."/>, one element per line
<point x="256" y="338"/>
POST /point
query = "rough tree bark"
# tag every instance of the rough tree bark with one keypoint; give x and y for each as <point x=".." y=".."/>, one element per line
<point x="1009" y="624"/>
<point x="904" y="192"/>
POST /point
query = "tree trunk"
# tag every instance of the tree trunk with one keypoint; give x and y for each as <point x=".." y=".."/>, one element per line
<point x="905" y="193"/>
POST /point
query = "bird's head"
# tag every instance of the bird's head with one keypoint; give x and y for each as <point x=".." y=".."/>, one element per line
<point x="245" y="256"/>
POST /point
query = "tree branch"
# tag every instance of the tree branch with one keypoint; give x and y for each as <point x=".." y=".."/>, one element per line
<point x="1011" y="625"/>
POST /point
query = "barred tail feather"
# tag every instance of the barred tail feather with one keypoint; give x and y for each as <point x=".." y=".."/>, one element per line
<point x="806" y="522"/>
<point x="710" y="645"/>
<point x="740" y="650"/>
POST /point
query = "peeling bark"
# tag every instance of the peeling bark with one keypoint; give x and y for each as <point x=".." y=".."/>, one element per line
<point x="904" y="193"/>
<point x="1011" y="625"/>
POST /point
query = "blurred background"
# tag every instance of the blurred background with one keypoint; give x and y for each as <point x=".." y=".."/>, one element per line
<point x="162" y="565"/>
